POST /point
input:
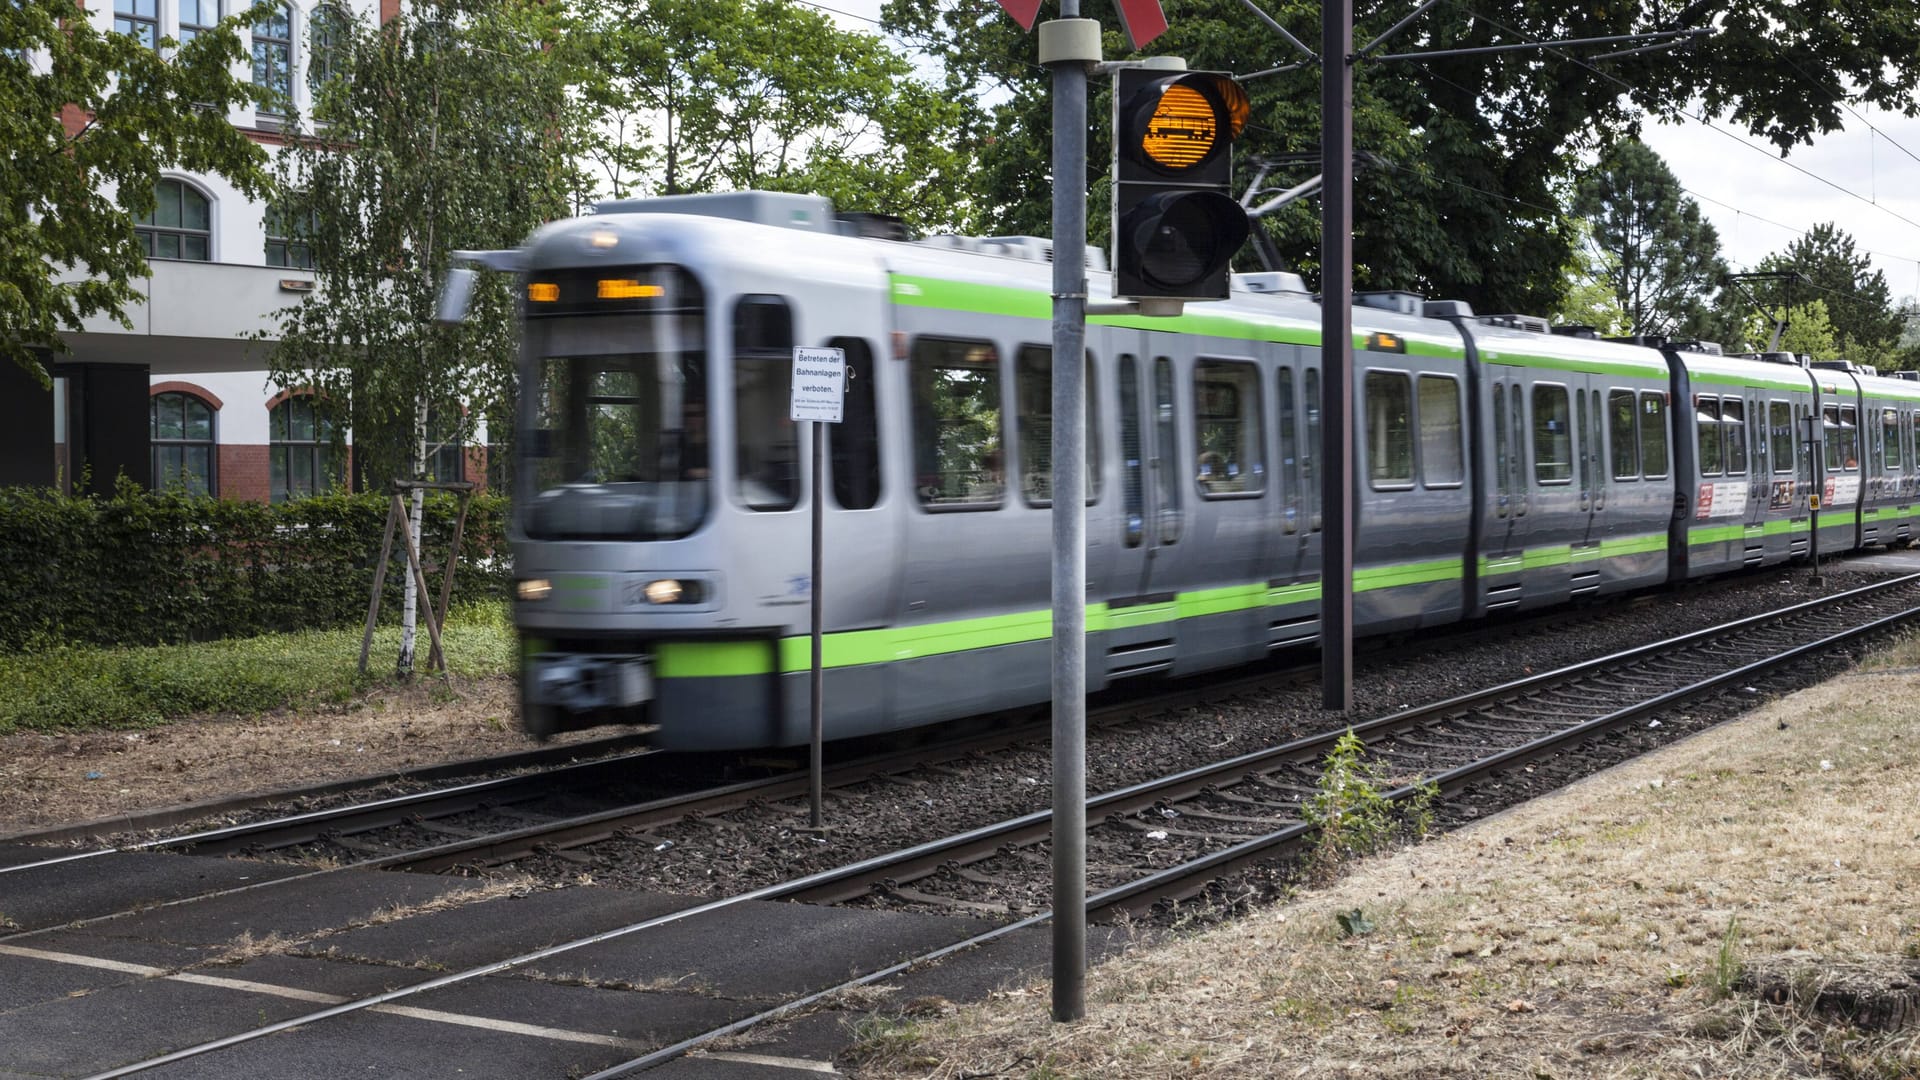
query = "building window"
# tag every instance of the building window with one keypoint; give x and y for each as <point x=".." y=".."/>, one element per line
<point x="326" y="43"/>
<point x="180" y="226"/>
<point x="181" y="430"/>
<point x="273" y="56"/>
<point x="300" y="453"/>
<point x="139" y="19"/>
<point x="289" y="241"/>
<point x="196" y="17"/>
<point x="446" y="457"/>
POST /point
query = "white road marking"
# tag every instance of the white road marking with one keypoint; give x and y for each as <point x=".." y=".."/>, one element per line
<point x="316" y="997"/>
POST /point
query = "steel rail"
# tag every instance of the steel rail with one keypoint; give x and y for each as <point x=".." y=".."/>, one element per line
<point x="1182" y="877"/>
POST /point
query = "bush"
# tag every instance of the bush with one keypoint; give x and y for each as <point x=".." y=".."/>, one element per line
<point x="147" y="569"/>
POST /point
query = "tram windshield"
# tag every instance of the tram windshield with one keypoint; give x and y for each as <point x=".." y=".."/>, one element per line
<point x="614" y="426"/>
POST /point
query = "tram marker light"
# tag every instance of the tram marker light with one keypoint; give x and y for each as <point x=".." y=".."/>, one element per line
<point x="1176" y="224"/>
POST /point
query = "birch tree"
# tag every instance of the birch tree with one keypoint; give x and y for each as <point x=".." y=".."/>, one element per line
<point x="445" y="128"/>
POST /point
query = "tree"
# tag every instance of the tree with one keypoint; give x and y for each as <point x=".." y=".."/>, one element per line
<point x="1808" y="331"/>
<point x="714" y="95"/>
<point x="1661" y="258"/>
<point x="1589" y="297"/>
<point x="1866" y="326"/>
<point x="445" y="128"/>
<point x="91" y="119"/>
<point x="1469" y="155"/>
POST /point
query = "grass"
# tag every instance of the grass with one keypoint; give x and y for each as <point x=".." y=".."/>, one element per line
<point x="80" y="689"/>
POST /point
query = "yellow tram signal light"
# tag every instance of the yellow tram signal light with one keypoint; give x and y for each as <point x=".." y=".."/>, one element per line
<point x="543" y="292"/>
<point x="1176" y="224"/>
<point x="627" y="289"/>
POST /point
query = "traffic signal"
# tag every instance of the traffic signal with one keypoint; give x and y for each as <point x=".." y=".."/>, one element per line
<point x="1176" y="223"/>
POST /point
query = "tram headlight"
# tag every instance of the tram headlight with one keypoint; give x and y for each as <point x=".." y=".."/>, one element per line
<point x="674" y="591"/>
<point x="534" y="589"/>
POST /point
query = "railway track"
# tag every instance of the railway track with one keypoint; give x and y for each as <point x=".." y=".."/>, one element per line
<point x="1248" y="809"/>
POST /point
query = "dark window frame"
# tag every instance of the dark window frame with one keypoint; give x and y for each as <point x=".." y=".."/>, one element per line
<point x="160" y="444"/>
<point x="285" y="450"/>
<point x="154" y="235"/>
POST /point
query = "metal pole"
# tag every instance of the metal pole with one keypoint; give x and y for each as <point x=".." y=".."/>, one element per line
<point x="1336" y="353"/>
<point x="815" y="764"/>
<point x="1068" y="45"/>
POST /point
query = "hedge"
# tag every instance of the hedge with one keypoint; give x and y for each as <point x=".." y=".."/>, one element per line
<point x="144" y="569"/>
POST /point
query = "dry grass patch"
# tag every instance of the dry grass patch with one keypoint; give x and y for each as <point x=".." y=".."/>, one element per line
<point x="1599" y="933"/>
<point x="50" y="778"/>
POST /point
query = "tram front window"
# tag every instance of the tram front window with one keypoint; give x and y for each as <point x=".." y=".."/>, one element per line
<point x="618" y="442"/>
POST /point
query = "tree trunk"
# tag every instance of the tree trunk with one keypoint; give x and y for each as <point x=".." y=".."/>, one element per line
<point x="410" y="603"/>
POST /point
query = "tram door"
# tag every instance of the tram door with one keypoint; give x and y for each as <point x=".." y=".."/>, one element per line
<point x="1152" y="515"/>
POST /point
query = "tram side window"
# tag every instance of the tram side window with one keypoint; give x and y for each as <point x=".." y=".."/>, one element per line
<point x="1310" y="453"/>
<point x="1033" y="390"/>
<point x="1733" y="419"/>
<point x="1780" y="427"/>
<point x="956" y="424"/>
<point x="1166" y="486"/>
<point x="1503" y="489"/>
<point x="1850" y="435"/>
<point x="1131" y="493"/>
<point x="1389" y="432"/>
<point x="1227" y="428"/>
<point x="1890" y="434"/>
<point x="1626" y="442"/>
<point x="1442" y="461"/>
<point x="1830" y="431"/>
<point x="855" y="441"/>
<point x="1289" y="447"/>
<point x="1653" y="434"/>
<point x="766" y="452"/>
<point x="1706" y="416"/>
<point x="1552" y="435"/>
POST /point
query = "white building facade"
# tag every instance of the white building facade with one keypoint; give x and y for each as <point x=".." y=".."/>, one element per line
<point x="182" y="399"/>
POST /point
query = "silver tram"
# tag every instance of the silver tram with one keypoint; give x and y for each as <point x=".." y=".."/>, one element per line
<point x="660" y="526"/>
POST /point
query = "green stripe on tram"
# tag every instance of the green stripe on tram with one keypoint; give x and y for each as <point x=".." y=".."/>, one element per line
<point x="911" y="290"/>
<point x="711" y="659"/>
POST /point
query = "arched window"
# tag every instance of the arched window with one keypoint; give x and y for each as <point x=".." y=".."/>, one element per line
<point x="300" y="453"/>
<point x="139" y="19"/>
<point x="196" y="18"/>
<point x="181" y="430"/>
<point x="180" y="226"/>
<point x="326" y="43"/>
<point x="273" y="56"/>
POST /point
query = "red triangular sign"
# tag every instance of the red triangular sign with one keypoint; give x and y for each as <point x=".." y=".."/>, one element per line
<point x="1141" y="19"/>
<point x="1023" y="11"/>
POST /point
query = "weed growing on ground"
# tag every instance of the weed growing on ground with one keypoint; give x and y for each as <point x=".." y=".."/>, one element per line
<point x="1352" y="813"/>
<point x="1726" y="962"/>
<point x="883" y="1039"/>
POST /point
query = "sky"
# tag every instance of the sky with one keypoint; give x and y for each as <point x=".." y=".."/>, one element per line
<point x="1865" y="178"/>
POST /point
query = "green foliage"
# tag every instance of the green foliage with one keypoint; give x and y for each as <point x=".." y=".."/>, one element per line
<point x="445" y="128"/>
<point x="77" y="688"/>
<point x="1808" y="331"/>
<point x="91" y="118"/>
<point x="1351" y="811"/>
<point x="1354" y="923"/>
<point x="139" y="569"/>
<point x="714" y="95"/>
<point x="1658" y="256"/>
<point x="1470" y="155"/>
<point x="1865" y="326"/>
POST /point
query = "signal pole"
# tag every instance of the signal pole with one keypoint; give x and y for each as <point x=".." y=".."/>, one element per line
<point x="1336" y="354"/>
<point x="1069" y="46"/>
